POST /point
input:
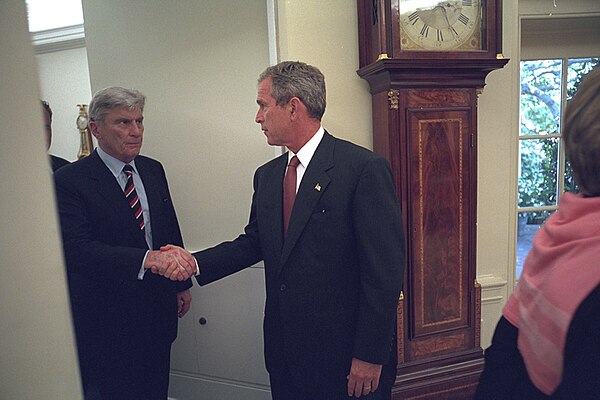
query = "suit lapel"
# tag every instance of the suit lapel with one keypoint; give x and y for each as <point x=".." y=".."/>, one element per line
<point x="155" y="197"/>
<point x="273" y="191"/>
<point x="313" y="185"/>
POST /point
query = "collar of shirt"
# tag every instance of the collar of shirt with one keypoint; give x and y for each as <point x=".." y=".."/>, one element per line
<point x="115" y="166"/>
<point x="305" y="154"/>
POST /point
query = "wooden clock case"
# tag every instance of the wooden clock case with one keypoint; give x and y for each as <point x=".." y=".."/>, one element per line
<point x="424" y="106"/>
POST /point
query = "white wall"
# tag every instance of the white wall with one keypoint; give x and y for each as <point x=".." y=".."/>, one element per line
<point x="325" y="34"/>
<point x="37" y="351"/>
<point x="64" y="83"/>
<point x="497" y="161"/>
<point x="537" y="8"/>
<point x="559" y="37"/>
<point x="197" y="63"/>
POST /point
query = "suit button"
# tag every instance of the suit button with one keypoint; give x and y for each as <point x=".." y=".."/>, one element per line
<point x="282" y="287"/>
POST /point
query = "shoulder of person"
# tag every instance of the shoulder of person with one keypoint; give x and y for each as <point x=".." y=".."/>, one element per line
<point x="147" y="160"/>
<point x="282" y="159"/>
<point x="74" y="168"/>
<point x="586" y="317"/>
<point x="582" y="349"/>
<point x="354" y="152"/>
<point x="58" y="162"/>
<point x="149" y="164"/>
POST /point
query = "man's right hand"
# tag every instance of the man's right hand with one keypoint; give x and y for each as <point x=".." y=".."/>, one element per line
<point x="172" y="262"/>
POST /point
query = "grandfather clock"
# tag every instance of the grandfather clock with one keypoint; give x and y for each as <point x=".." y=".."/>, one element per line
<point x="426" y="62"/>
<point x="86" y="145"/>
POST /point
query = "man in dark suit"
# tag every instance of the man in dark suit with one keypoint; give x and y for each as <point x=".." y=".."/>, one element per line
<point x="334" y="278"/>
<point x="55" y="161"/>
<point x="125" y="316"/>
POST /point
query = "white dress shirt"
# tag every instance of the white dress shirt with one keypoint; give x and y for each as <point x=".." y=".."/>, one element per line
<point x="305" y="154"/>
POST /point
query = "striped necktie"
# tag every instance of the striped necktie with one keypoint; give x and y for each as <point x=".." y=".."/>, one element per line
<point x="132" y="197"/>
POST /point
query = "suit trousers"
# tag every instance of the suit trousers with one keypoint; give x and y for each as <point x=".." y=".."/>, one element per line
<point x="141" y="374"/>
<point x="283" y="387"/>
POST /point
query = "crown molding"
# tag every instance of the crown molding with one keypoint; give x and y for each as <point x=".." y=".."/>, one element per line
<point x="52" y="40"/>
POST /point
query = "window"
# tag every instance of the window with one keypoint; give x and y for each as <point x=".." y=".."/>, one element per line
<point x="44" y="15"/>
<point x="546" y="86"/>
<point x="55" y="25"/>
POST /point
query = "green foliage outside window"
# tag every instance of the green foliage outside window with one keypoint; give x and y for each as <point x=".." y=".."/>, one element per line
<point x="541" y="83"/>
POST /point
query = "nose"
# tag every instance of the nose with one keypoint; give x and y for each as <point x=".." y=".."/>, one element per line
<point x="259" y="117"/>
<point x="136" y="129"/>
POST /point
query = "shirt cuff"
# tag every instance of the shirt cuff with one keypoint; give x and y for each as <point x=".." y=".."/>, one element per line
<point x="142" y="269"/>
<point x="197" y="267"/>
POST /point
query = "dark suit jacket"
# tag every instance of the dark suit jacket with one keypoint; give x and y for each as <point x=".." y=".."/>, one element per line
<point x="505" y="376"/>
<point x="104" y="250"/>
<point x="333" y="284"/>
<point x="57" y="162"/>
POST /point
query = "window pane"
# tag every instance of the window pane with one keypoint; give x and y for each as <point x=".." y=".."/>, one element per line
<point x="539" y="161"/>
<point x="570" y="185"/>
<point x="529" y="225"/>
<point x="538" y="172"/>
<point x="540" y="97"/>
<point x="578" y="68"/>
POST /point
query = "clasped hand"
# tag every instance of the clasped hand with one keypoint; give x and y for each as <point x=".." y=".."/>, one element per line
<point x="172" y="262"/>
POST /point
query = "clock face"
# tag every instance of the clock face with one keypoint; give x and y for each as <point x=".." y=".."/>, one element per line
<point x="82" y="122"/>
<point x="451" y="25"/>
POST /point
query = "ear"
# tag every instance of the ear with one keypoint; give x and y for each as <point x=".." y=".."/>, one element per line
<point x="93" y="125"/>
<point x="295" y="107"/>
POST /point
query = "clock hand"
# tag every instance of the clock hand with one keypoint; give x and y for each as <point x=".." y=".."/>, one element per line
<point x="432" y="17"/>
<point x="448" y="22"/>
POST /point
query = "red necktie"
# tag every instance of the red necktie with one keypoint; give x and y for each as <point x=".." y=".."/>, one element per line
<point x="132" y="197"/>
<point x="289" y="192"/>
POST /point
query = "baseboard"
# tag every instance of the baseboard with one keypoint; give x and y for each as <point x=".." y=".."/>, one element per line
<point x="191" y="387"/>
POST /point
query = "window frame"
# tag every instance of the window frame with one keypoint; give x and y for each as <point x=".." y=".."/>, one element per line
<point x="561" y="161"/>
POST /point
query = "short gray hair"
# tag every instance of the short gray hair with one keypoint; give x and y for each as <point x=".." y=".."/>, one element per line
<point x="581" y="130"/>
<point x="108" y="98"/>
<point x="297" y="79"/>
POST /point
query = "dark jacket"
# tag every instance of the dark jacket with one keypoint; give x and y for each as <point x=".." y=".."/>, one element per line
<point x="104" y="250"/>
<point x="333" y="284"/>
<point x="505" y="375"/>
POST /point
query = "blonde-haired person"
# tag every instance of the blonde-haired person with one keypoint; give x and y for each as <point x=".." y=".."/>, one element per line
<point x="546" y="344"/>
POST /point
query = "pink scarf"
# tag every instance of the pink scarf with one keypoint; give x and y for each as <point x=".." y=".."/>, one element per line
<point x="561" y="270"/>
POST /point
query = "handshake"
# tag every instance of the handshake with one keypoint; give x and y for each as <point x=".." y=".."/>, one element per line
<point x="172" y="262"/>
